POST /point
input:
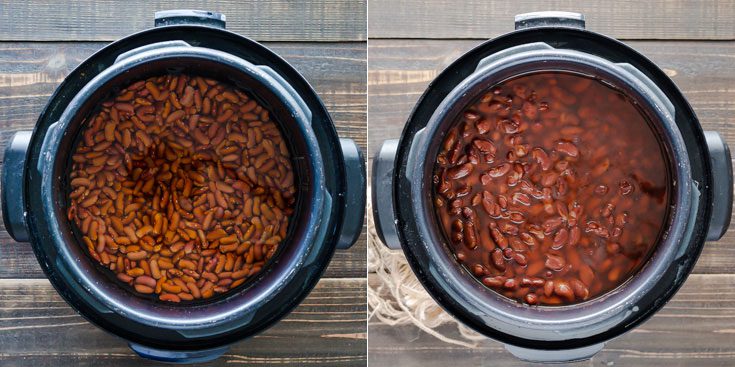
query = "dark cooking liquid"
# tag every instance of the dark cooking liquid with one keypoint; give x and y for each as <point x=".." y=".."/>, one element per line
<point x="551" y="188"/>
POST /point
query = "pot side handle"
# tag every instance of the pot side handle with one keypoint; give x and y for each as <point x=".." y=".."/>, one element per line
<point x="13" y="179"/>
<point x="554" y="356"/>
<point x="722" y="188"/>
<point x="356" y="187"/>
<point x="178" y="17"/>
<point x="152" y="46"/>
<point x="178" y="356"/>
<point x="382" y="194"/>
<point x="549" y="19"/>
<point x="190" y="17"/>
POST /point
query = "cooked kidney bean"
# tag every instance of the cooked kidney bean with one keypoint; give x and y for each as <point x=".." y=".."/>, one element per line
<point x="182" y="186"/>
<point x="552" y="188"/>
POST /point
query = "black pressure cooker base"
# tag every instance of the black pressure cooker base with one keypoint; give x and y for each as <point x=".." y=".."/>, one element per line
<point x="212" y="38"/>
<point x="588" y="42"/>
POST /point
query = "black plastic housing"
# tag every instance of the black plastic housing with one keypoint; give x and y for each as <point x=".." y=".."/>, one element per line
<point x="398" y="194"/>
<point x="331" y="185"/>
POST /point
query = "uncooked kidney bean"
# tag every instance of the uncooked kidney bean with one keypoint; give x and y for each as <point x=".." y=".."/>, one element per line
<point x="558" y="188"/>
<point x="178" y="200"/>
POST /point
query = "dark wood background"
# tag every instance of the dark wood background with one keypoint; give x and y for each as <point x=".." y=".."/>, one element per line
<point x="42" y="41"/>
<point x="410" y="42"/>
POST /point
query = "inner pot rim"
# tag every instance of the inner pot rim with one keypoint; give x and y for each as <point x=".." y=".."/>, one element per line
<point x="273" y="279"/>
<point x="494" y="310"/>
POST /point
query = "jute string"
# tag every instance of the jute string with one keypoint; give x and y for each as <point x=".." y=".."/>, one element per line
<point x="399" y="299"/>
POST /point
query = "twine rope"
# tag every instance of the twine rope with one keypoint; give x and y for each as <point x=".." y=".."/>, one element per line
<point x="400" y="299"/>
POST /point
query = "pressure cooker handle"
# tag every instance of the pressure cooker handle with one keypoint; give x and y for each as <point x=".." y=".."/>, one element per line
<point x="177" y="356"/>
<point x="277" y="79"/>
<point x="148" y="47"/>
<point x="187" y="17"/>
<point x="549" y="19"/>
<point x="554" y="356"/>
<point x="382" y="194"/>
<point x="721" y="163"/>
<point x="354" y="213"/>
<point x="13" y="177"/>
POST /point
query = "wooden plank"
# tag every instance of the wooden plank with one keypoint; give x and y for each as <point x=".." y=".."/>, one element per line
<point x="108" y="20"/>
<point x="401" y="70"/>
<point x="37" y="328"/>
<point x="29" y="73"/>
<point x="480" y="19"/>
<point x="17" y="259"/>
<point x="695" y="329"/>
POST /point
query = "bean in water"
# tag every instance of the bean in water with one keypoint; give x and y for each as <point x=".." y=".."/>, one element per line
<point x="552" y="188"/>
<point x="182" y="186"/>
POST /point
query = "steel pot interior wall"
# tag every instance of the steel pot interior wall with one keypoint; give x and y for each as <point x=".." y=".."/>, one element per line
<point x="548" y="322"/>
<point x="542" y="313"/>
<point x="139" y="308"/>
<point x="210" y="69"/>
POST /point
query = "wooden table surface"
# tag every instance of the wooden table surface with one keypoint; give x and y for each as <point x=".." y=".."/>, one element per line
<point x="41" y="42"/>
<point x="409" y="43"/>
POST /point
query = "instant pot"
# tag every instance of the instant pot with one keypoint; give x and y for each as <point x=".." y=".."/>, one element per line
<point x="329" y="171"/>
<point x="700" y="208"/>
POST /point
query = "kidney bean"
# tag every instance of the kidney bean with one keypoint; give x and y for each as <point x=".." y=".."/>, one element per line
<point x="574" y="235"/>
<point x="520" y="259"/>
<point x="560" y="239"/>
<point x="554" y="262"/>
<point x="552" y="224"/>
<point x="567" y="148"/>
<point x="549" y="179"/>
<point x="483" y="126"/>
<point x="484" y="146"/>
<point x="165" y="192"/>
<point x="528" y="239"/>
<point x="503" y="201"/>
<point x="517" y="217"/>
<point x="460" y="171"/>
<point x="520" y="198"/>
<point x="580" y="290"/>
<point x="530" y="111"/>
<point x="625" y="187"/>
<point x="563" y="290"/>
<point x="586" y="275"/>
<point x="517" y="245"/>
<point x="549" y="288"/>
<point x="531" y="299"/>
<point x="170" y="297"/>
<point x="478" y="270"/>
<point x="470" y="235"/>
<point x="562" y="183"/>
<point x="541" y="158"/>
<point x="498" y="237"/>
<point x="508" y="228"/>
<point x="471" y="115"/>
<point x="614" y="274"/>
<point x="144" y="289"/>
<point x="601" y="190"/>
<point x="499" y="171"/>
<point x="498" y="261"/>
<point x="493" y="282"/>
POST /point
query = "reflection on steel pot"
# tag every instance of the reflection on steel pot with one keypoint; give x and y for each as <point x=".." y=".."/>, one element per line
<point x="329" y="178"/>
<point x="404" y="178"/>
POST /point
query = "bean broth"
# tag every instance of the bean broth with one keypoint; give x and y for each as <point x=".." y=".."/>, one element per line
<point x="552" y="188"/>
